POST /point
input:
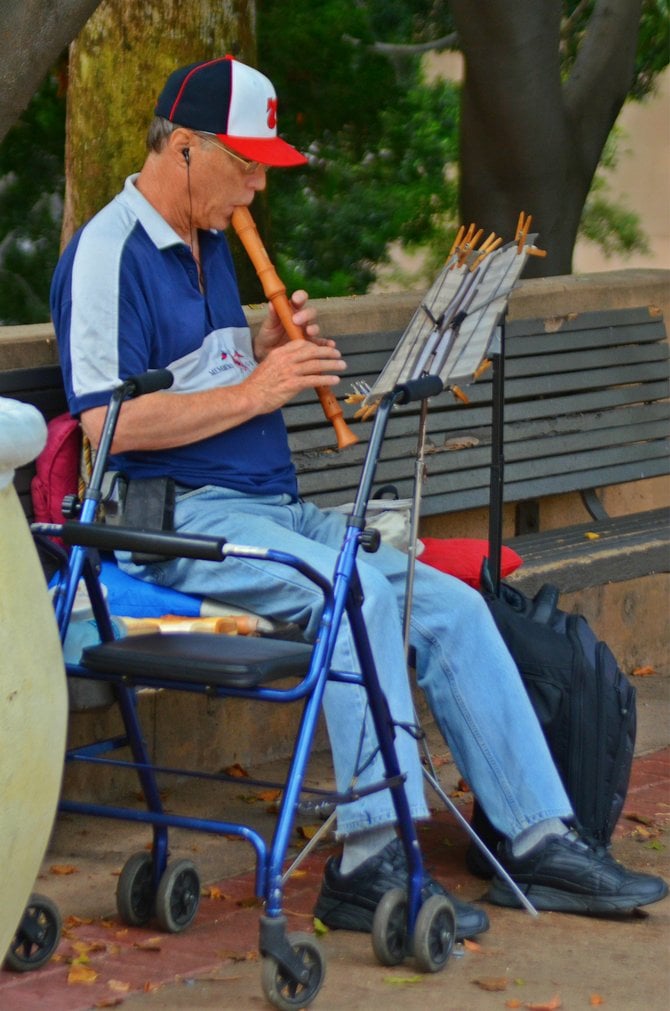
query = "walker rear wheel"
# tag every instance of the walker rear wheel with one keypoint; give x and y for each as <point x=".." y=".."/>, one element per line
<point x="178" y="896"/>
<point x="280" y="988"/>
<point x="434" y="933"/>
<point x="389" y="928"/>
<point x="37" y="935"/>
<point x="134" y="891"/>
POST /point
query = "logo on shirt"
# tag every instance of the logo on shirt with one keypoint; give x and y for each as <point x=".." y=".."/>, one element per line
<point x="232" y="360"/>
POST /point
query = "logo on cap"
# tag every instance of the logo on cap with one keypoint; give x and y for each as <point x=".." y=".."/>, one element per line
<point x="272" y="113"/>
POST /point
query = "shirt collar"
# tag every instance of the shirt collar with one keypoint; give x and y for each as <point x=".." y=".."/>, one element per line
<point x="159" y="231"/>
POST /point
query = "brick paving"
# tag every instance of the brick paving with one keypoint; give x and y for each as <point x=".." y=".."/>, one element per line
<point x="124" y="963"/>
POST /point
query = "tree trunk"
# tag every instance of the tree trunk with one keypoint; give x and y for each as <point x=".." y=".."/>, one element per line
<point x="33" y="34"/>
<point x="529" y="141"/>
<point x="118" y="65"/>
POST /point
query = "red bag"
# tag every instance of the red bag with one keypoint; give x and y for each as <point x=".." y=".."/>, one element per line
<point x="56" y="469"/>
<point x="463" y="556"/>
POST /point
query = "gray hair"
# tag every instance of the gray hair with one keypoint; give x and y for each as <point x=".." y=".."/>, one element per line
<point x="158" y="133"/>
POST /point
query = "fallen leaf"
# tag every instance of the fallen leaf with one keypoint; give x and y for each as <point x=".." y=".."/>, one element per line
<point x="249" y="903"/>
<point x="236" y="771"/>
<point x="213" y="892"/>
<point x="590" y="535"/>
<point x="76" y="921"/>
<point x="85" y="947"/>
<point x="118" y="985"/>
<point x="595" y="1000"/>
<point x="472" y="945"/>
<point x="643" y="834"/>
<point x="239" y="956"/>
<point x="81" y="974"/>
<point x="109" y="1002"/>
<point x="81" y="959"/>
<point x="63" y="869"/>
<point x="151" y="944"/>
<point x="643" y="819"/>
<point x="319" y="928"/>
<point x="269" y="795"/>
<point x="462" y="442"/>
<point x="552" y="1005"/>
<point x="513" y="1002"/>
<point x="643" y="672"/>
<point x="492" y="983"/>
<point x="402" y="980"/>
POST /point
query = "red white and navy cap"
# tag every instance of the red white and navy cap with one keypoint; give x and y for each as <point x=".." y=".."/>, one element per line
<point x="233" y="101"/>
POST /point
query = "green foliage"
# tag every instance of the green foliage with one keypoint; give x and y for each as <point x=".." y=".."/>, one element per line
<point x="611" y="226"/>
<point x="381" y="141"/>
<point x="31" y="186"/>
<point x="382" y="144"/>
<point x="332" y="223"/>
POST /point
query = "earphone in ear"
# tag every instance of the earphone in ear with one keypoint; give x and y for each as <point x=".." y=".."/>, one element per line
<point x="187" y="155"/>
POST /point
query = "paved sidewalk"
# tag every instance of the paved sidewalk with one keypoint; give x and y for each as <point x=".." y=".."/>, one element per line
<point x="549" y="962"/>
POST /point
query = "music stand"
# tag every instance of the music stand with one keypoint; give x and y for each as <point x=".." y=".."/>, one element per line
<point x="454" y="334"/>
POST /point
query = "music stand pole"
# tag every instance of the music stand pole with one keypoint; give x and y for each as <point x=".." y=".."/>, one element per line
<point x="497" y="458"/>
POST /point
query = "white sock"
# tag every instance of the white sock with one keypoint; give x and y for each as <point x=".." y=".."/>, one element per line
<point x="360" y="846"/>
<point x="535" y="834"/>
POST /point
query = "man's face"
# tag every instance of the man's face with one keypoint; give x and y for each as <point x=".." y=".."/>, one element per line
<point x="220" y="180"/>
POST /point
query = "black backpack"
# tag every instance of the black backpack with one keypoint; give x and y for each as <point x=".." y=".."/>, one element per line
<point x="584" y="702"/>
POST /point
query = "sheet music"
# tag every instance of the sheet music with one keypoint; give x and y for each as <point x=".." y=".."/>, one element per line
<point x="451" y="332"/>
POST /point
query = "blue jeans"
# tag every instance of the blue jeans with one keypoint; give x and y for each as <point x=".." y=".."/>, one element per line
<point x="471" y="683"/>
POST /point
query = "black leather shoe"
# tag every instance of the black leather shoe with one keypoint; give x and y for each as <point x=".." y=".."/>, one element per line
<point x="568" y="875"/>
<point x="348" y="901"/>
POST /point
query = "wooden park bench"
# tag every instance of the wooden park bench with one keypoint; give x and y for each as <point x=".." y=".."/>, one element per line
<point x="586" y="406"/>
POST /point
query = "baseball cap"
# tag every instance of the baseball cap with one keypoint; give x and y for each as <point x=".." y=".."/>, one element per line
<point x="233" y="101"/>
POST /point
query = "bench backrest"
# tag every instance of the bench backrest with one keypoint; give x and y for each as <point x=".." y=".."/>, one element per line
<point x="586" y="405"/>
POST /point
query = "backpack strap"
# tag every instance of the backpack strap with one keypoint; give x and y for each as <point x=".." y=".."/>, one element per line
<point x="545" y="603"/>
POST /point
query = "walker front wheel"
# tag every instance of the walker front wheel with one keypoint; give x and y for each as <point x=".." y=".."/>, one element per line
<point x="389" y="928"/>
<point x="37" y="935"/>
<point x="280" y="988"/>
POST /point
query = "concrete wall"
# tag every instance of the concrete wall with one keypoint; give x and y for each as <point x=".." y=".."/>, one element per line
<point x="631" y="616"/>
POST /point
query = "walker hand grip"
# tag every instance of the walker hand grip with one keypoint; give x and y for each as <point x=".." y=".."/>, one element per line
<point x="113" y="538"/>
<point x="147" y="382"/>
<point x="418" y="389"/>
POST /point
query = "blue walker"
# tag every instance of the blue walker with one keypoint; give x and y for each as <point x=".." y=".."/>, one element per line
<point x="222" y="666"/>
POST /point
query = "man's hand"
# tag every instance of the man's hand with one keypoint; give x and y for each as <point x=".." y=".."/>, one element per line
<point x="292" y="367"/>
<point x="271" y="333"/>
<point x="287" y="367"/>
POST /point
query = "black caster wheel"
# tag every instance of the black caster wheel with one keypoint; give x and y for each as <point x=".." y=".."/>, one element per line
<point x="389" y="928"/>
<point x="178" y="896"/>
<point x="134" y="891"/>
<point x="37" y="936"/>
<point x="434" y="933"/>
<point x="282" y="991"/>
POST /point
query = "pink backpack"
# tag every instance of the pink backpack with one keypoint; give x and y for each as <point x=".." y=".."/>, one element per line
<point x="56" y="469"/>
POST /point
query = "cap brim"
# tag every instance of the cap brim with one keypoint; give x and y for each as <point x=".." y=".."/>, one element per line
<point x="266" y="150"/>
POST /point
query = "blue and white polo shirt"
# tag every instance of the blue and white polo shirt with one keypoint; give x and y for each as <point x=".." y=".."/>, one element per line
<point x="125" y="298"/>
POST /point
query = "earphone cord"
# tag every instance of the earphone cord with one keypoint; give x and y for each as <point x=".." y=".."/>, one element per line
<point x="201" y="276"/>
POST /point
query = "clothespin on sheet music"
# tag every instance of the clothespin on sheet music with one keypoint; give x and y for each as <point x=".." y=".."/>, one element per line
<point x="522" y="227"/>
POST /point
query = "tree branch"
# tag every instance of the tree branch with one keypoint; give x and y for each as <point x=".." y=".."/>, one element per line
<point x="602" y="73"/>
<point x="34" y="33"/>
<point x="395" y="49"/>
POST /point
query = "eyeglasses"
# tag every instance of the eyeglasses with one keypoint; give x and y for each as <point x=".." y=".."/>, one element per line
<point x="249" y="167"/>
